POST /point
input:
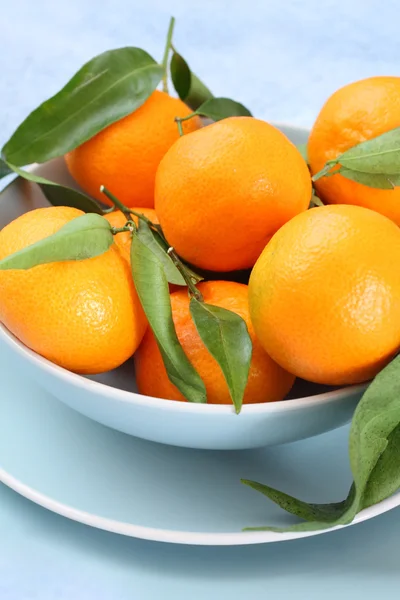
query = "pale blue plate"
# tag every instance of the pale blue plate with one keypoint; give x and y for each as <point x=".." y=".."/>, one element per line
<point x="112" y="398"/>
<point x="106" y="479"/>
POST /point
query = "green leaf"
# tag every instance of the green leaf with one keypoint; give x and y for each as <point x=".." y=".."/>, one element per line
<point x="107" y="88"/>
<point x="385" y="478"/>
<point x="61" y="195"/>
<point x="180" y="75"/>
<point x="374" y="180"/>
<point x="378" y="155"/>
<point x="188" y="86"/>
<point x="222" y="108"/>
<point x="198" y="93"/>
<point x="226" y="337"/>
<point x="84" y="237"/>
<point x="152" y="288"/>
<point x="152" y="240"/>
<point x="4" y="169"/>
<point x="373" y="450"/>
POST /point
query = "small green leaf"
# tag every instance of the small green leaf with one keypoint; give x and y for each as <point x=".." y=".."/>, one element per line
<point x="61" y="195"/>
<point x="152" y="288"/>
<point x="153" y="242"/>
<point x="4" y="169"/>
<point x="222" y="108"/>
<point x="374" y="180"/>
<point x="378" y="155"/>
<point x="180" y="75"/>
<point x="198" y="93"/>
<point x="226" y="337"/>
<point x="107" y="88"/>
<point x="373" y="450"/>
<point x="84" y="237"/>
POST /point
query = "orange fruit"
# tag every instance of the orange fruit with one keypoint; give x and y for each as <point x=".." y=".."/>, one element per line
<point x="325" y="294"/>
<point x="223" y="191"/>
<point x="83" y="315"/>
<point x="123" y="239"/>
<point x="267" y="381"/>
<point x="124" y="156"/>
<point x="355" y="113"/>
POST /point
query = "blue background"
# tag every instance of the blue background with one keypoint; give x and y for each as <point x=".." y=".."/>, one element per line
<point x="281" y="59"/>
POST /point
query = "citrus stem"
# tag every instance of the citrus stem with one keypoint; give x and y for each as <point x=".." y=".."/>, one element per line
<point x="190" y="282"/>
<point x="179" y="121"/>
<point x="166" y="55"/>
<point x="127" y="227"/>
<point x="325" y="170"/>
<point x="116" y="202"/>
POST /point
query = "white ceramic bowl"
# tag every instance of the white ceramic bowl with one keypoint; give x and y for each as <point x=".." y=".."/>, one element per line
<point x="111" y="398"/>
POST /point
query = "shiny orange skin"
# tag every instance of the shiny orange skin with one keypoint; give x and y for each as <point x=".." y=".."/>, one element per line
<point x="355" y="113"/>
<point x="223" y="191"/>
<point x="325" y="294"/>
<point x="82" y="315"/>
<point x="267" y="381"/>
<point x="123" y="239"/>
<point x="124" y="156"/>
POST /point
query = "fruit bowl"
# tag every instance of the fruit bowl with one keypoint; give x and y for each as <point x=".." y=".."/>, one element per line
<point x="112" y="399"/>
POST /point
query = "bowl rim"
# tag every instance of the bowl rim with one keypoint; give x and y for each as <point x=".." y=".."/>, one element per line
<point x="135" y="398"/>
<point x="161" y="403"/>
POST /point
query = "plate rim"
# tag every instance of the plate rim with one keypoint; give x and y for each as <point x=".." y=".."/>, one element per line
<point x="172" y="536"/>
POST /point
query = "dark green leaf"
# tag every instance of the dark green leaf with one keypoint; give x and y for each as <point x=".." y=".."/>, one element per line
<point x="107" y="88"/>
<point x="61" y="195"/>
<point x="189" y="87"/>
<point x="152" y="288"/>
<point x="374" y="180"/>
<point x="4" y="169"/>
<point x="84" y="237"/>
<point x="180" y="75"/>
<point x="151" y="239"/>
<point x="373" y="448"/>
<point x="221" y="108"/>
<point x="225" y="335"/>
<point x="378" y="155"/>
<point x="198" y="93"/>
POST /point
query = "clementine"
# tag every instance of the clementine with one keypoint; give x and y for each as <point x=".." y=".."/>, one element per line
<point x="124" y="156"/>
<point x="325" y="294"/>
<point x="355" y="113"/>
<point x="267" y="381"/>
<point x="223" y="191"/>
<point x="83" y="315"/>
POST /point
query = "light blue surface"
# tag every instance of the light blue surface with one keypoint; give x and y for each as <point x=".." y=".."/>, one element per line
<point x="282" y="59"/>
